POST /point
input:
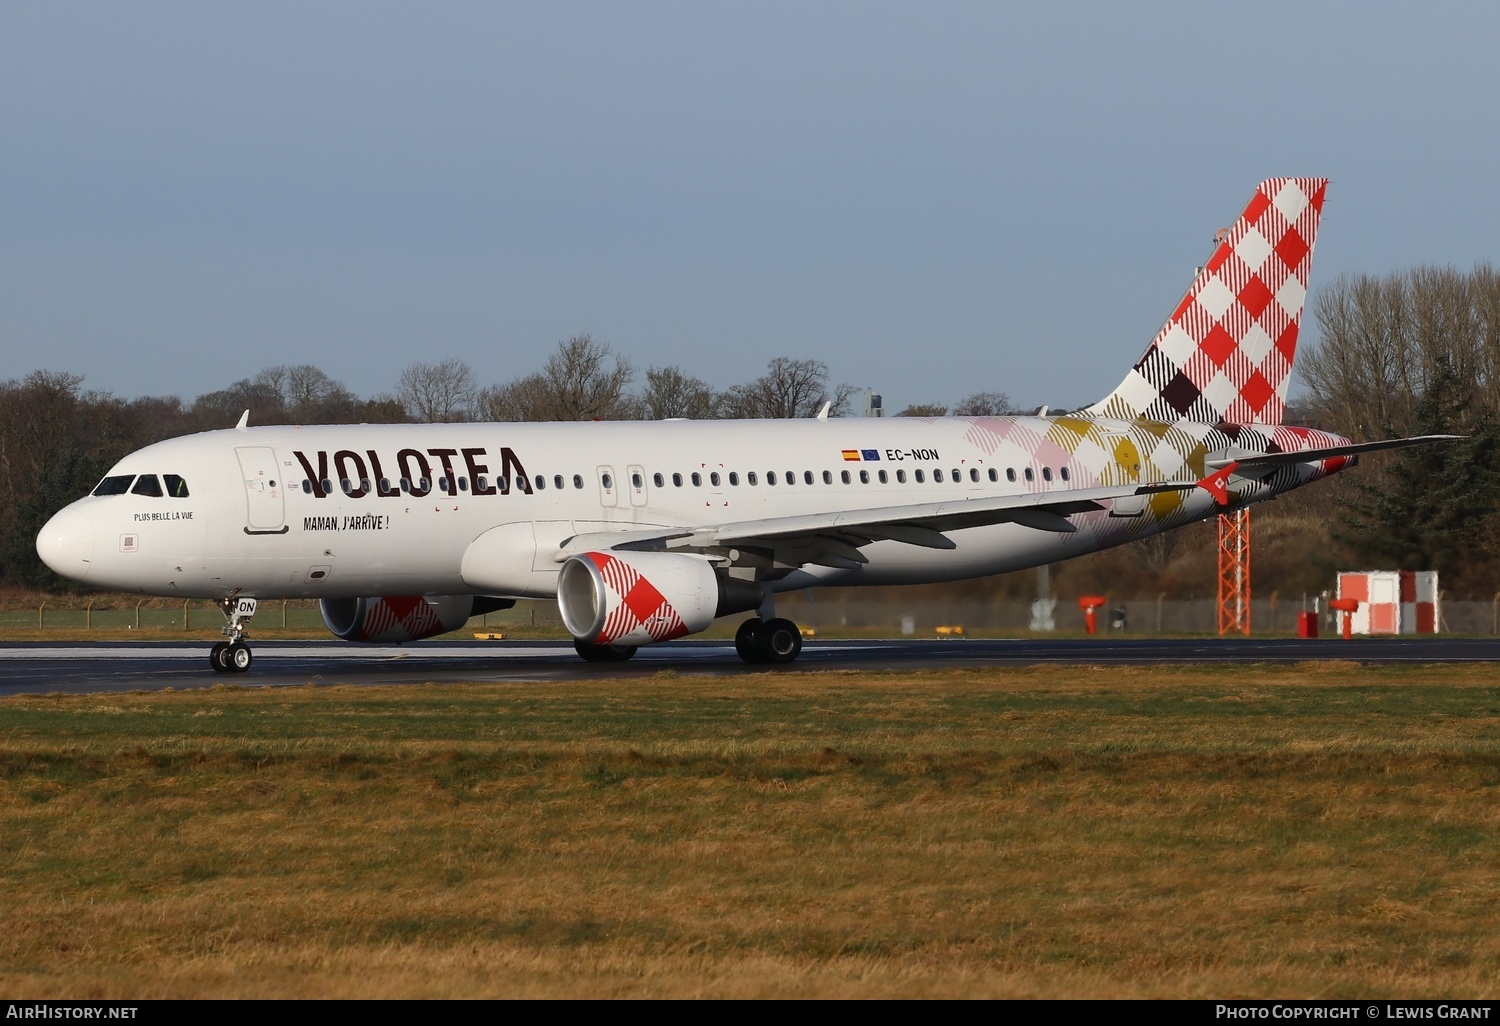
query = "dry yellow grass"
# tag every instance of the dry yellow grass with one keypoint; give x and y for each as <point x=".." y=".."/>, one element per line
<point x="1050" y="832"/>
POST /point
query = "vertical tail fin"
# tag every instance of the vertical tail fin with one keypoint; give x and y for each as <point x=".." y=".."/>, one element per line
<point x="1226" y="352"/>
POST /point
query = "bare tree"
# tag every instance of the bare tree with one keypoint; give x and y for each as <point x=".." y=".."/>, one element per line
<point x="924" y="410"/>
<point x="789" y="389"/>
<point x="582" y="380"/>
<point x="671" y="393"/>
<point x="437" y="393"/>
<point x="984" y="404"/>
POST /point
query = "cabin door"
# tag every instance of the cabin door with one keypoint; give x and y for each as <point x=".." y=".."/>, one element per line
<point x="264" y="501"/>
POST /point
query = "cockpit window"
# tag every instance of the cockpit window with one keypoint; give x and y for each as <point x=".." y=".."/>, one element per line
<point x="117" y="485"/>
<point x="176" y="486"/>
<point x="147" y="484"/>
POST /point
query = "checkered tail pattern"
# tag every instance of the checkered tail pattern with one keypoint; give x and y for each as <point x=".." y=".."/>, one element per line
<point x="1225" y="355"/>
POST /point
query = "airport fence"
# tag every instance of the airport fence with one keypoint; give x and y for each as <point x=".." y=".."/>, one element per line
<point x="827" y="612"/>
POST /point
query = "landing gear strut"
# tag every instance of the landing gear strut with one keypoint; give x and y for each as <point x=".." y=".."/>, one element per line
<point x="233" y="656"/>
<point x="776" y="640"/>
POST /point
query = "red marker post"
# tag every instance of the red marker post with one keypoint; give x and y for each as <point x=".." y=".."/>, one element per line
<point x="1348" y="607"/>
<point x="1090" y="605"/>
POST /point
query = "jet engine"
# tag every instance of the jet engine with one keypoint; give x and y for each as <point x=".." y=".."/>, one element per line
<point x="394" y="619"/>
<point x="641" y="598"/>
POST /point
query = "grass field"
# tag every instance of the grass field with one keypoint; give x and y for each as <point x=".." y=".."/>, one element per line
<point x="1323" y="830"/>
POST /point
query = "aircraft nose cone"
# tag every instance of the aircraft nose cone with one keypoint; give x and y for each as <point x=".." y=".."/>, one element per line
<point x="66" y="544"/>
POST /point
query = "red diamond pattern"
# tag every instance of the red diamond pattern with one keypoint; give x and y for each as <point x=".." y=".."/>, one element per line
<point x="1228" y="304"/>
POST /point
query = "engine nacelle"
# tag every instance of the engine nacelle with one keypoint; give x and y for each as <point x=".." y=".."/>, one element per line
<point x="393" y="619"/>
<point x="641" y="598"/>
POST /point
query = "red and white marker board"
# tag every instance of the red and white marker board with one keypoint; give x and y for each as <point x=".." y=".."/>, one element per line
<point x="1392" y="601"/>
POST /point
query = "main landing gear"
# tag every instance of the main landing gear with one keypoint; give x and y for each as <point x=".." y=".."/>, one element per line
<point x="776" y="640"/>
<point x="233" y="656"/>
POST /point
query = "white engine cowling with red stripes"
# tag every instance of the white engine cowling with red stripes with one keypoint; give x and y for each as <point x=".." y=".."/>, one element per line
<point x="392" y="619"/>
<point x="641" y="598"/>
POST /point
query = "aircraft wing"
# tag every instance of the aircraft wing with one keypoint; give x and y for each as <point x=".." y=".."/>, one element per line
<point x="1251" y="459"/>
<point x="834" y="538"/>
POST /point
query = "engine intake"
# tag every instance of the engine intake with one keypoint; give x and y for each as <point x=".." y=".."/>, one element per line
<point x="641" y="598"/>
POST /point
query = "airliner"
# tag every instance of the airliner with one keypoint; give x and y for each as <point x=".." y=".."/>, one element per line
<point x="643" y="532"/>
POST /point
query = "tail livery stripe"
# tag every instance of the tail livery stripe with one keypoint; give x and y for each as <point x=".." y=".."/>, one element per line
<point x="1226" y="353"/>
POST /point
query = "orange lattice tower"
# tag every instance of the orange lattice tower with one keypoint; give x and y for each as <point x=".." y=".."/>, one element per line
<point x="1234" y="572"/>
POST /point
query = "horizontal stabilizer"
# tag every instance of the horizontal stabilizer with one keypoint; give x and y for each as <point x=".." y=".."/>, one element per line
<point x="1313" y="455"/>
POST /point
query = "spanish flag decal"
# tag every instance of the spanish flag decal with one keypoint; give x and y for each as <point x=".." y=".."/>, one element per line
<point x="851" y="455"/>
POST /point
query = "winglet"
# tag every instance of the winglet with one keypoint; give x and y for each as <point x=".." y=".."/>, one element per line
<point x="1217" y="483"/>
<point x="823" y="413"/>
<point x="244" y="421"/>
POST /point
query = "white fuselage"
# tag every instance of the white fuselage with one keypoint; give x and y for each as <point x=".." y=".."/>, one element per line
<point x="324" y="511"/>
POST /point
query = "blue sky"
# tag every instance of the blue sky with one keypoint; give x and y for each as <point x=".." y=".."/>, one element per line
<point x="933" y="198"/>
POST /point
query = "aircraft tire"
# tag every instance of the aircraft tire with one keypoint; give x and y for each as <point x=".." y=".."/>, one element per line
<point x="779" y="641"/>
<point x="603" y="653"/>
<point x="237" y="657"/>
<point x="216" y="657"/>
<point x="747" y="644"/>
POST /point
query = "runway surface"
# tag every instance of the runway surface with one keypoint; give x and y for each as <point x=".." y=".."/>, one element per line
<point x="89" y="667"/>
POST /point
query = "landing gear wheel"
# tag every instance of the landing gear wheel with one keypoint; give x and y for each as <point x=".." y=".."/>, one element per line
<point x="779" y="641"/>
<point x="603" y="653"/>
<point x="745" y="642"/>
<point x="237" y="657"/>
<point x="216" y="657"/>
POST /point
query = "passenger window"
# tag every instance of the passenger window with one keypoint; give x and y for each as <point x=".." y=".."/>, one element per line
<point x="636" y="480"/>
<point x="828" y="477"/>
<point x="958" y="476"/>
<point x="406" y="484"/>
<point x="541" y="483"/>
<point x="770" y="477"/>
<point x="973" y="473"/>
<point x="364" y="485"/>
<point x="676" y="480"/>
<point x="577" y="480"/>
<point x="697" y="480"/>
<point x="1010" y="473"/>
<point x="1063" y="473"/>
<point x="480" y="484"/>
<point x="883" y="478"/>
<point x="807" y="477"/>
<point x="734" y="478"/>
<point x="607" y="481"/>
<point x="502" y="485"/>
<point x="844" y="476"/>
<point x="864" y="477"/>
<point x="901" y="477"/>
<point x="348" y="486"/>
<point x="463" y="484"/>
<point x="114" y="485"/>
<point x="557" y="482"/>
<point x="1029" y="475"/>
<point x="713" y="478"/>
<point x="1046" y="473"/>
<point x="176" y="487"/>
<point x="937" y="476"/>
<point x="328" y="486"/>
<point x="750" y="478"/>
<point x="994" y="475"/>
<point x="658" y="480"/>
<point x="147" y="484"/>
<point x="920" y="477"/>
<point x="307" y="487"/>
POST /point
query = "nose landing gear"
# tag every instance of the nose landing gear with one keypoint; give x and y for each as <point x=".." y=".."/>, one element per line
<point x="233" y="656"/>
